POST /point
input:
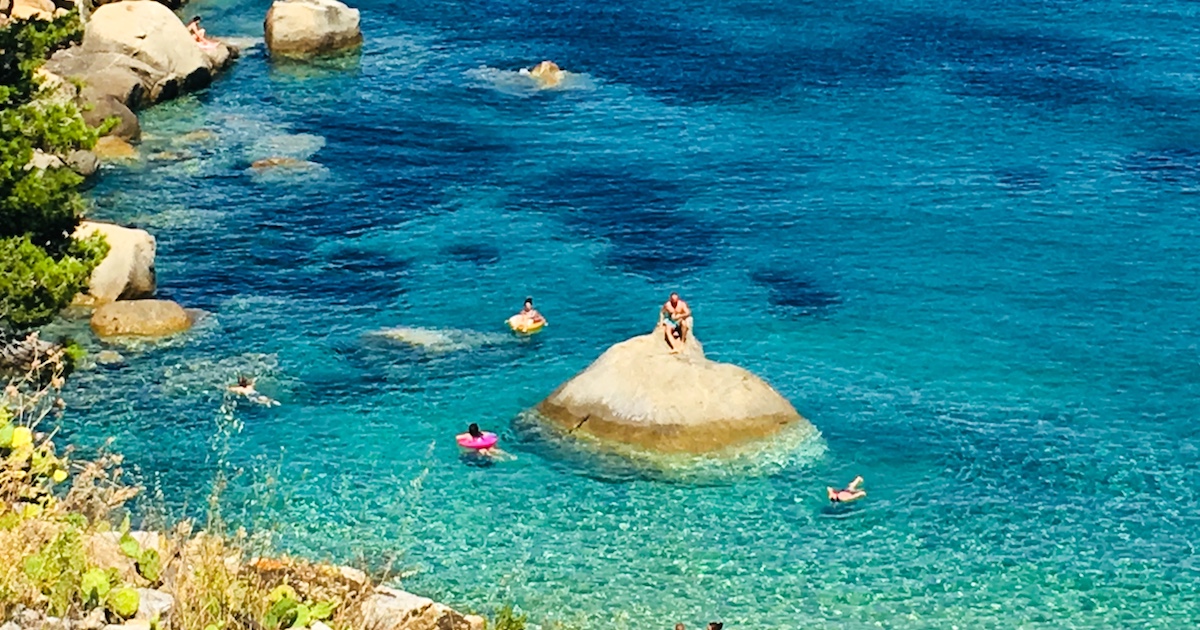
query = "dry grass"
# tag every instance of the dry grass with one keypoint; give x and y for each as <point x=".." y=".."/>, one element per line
<point x="52" y="535"/>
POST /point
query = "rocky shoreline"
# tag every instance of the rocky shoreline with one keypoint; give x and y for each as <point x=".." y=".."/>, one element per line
<point x="134" y="54"/>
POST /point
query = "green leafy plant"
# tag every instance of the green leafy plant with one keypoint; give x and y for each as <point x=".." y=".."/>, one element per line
<point x="148" y="562"/>
<point x="95" y="586"/>
<point x="41" y="266"/>
<point x="508" y="619"/>
<point x="123" y="602"/>
<point x="287" y="611"/>
<point x="57" y="570"/>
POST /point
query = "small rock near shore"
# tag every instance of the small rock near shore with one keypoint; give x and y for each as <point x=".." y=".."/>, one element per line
<point x="141" y="318"/>
<point x="109" y="357"/>
<point x="393" y="609"/>
<point x="83" y="162"/>
<point x="311" y="27"/>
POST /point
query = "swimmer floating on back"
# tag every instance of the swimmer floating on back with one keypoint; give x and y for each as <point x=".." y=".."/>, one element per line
<point x="848" y="494"/>
<point x="245" y="387"/>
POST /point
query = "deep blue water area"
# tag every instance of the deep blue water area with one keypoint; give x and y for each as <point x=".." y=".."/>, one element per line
<point x="960" y="237"/>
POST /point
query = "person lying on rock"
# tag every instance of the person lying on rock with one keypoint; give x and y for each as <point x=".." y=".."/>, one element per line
<point x="675" y="319"/>
<point x="850" y="493"/>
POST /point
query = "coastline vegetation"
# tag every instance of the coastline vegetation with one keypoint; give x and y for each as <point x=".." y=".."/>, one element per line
<point x="42" y="267"/>
<point x="72" y="557"/>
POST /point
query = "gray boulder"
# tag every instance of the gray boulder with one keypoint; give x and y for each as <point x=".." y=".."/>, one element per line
<point x="83" y="162"/>
<point x="637" y="394"/>
<point x="104" y="107"/>
<point x="311" y="27"/>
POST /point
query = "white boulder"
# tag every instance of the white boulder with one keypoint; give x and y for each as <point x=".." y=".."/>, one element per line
<point x="127" y="272"/>
<point x="311" y="27"/>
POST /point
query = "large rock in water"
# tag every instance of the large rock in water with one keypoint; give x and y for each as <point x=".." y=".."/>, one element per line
<point x="127" y="272"/>
<point x="152" y="34"/>
<point x="140" y="318"/>
<point x="640" y="395"/>
<point x="311" y="27"/>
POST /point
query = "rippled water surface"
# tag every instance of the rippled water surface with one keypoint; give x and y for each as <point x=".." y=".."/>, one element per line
<point x="960" y="237"/>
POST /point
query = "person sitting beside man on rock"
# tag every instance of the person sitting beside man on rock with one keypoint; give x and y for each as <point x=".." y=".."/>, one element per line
<point x="675" y="318"/>
<point x="199" y="34"/>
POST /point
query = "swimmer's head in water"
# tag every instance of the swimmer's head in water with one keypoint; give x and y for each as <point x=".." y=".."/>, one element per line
<point x="243" y="381"/>
<point x="679" y="626"/>
<point x="473" y="429"/>
<point x="715" y="625"/>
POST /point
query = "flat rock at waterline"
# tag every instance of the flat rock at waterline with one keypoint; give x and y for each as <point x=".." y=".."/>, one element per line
<point x="639" y="394"/>
<point x="140" y="318"/>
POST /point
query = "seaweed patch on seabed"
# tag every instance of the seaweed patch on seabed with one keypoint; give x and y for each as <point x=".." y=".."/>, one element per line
<point x="583" y="454"/>
<point x="478" y="254"/>
<point x="1176" y="166"/>
<point x="441" y="340"/>
<point x="795" y="293"/>
<point x="634" y="214"/>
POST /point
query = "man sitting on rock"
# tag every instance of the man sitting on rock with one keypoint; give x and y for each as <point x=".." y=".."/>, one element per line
<point x="675" y="318"/>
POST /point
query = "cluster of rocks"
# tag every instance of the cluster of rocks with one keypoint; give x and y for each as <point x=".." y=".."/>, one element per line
<point x="134" y="54"/>
<point x="31" y="10"/>
<point x="121" y="285"/>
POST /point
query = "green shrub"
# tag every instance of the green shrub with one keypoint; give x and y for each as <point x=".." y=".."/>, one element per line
<point x="508" y="619"/>
<point x="57" y="570"/>
<point x="41" y="266"/>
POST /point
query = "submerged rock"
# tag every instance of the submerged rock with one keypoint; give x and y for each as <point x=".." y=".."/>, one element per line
<point x="114" y="148"/>
<point x="311" y="27"/>
<point x="140" y="318"/>
<point x="637" y="394"/>
<point x="127" y="271"/>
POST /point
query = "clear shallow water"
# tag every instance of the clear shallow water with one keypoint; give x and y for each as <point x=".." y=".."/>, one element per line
<point x="959" y="238"/>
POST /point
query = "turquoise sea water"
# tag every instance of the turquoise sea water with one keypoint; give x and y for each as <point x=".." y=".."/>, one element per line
<point x="960" y="237"/>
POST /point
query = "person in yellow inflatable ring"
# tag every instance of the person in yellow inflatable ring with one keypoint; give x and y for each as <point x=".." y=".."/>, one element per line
<point x="528" y="320"/>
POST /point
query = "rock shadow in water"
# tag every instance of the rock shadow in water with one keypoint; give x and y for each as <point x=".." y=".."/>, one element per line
<point x="1023" y="178"/>
<point x="478" y="254"/>
<point x="798" y="295"/>
<point x="1174" y="166"/>
<point x="642" y="219"/>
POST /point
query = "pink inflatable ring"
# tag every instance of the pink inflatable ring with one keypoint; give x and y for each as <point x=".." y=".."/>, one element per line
<point x="485" y="441"/>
